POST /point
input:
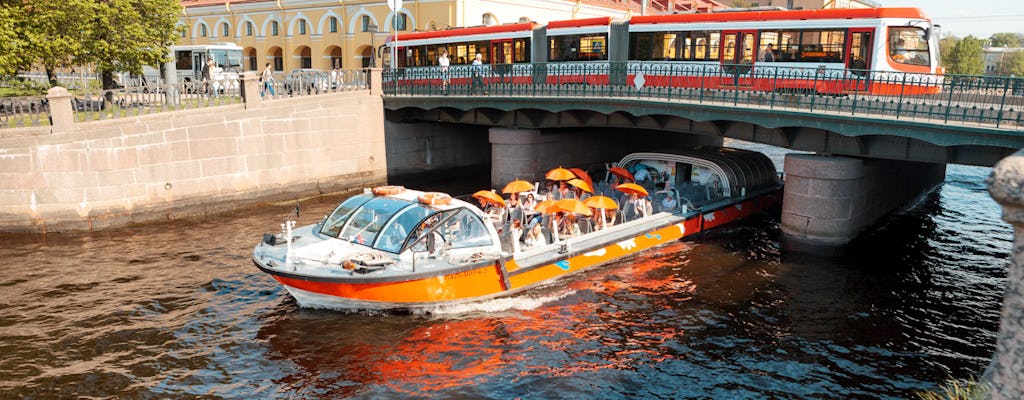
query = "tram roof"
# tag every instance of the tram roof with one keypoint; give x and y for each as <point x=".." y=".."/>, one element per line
<point x="783" y="15"/>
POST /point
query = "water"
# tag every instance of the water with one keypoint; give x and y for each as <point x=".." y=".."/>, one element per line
<point x="177" y="310"/>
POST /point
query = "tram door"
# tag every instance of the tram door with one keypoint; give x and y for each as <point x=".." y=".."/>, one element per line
<point x="737" y="55"/>
<point x="859" y="49"/>
<point x="502" y="57"/>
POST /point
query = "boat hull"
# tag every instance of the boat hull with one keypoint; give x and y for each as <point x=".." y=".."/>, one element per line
<point x="502" y="277"/>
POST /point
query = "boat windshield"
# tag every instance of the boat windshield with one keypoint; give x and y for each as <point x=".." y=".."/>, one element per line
<point x="365" y="222"/>
<point x="393" y="236"/>
<point x="336" y="221"/>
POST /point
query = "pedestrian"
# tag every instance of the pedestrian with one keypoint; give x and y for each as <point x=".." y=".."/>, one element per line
<point x="478" y="74"/>
<point x="444" y="62"/>
<point x="205" y="77"/>
<point x="267" y="78"/>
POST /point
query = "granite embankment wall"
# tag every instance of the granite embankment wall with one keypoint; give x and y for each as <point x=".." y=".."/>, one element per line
<point x="84" y="176"/>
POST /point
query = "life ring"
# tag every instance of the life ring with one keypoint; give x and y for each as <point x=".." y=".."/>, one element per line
<point x="435" y="198"/>
<point x="387" y="190"/>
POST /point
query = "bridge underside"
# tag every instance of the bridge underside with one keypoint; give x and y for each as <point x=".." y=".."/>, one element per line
<point x="828" y="133"/>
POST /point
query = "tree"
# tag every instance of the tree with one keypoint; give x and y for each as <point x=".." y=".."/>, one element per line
<point x="13" y="46"/>
<point x="56" y="30"/>
<point x="1012" y="64"/>
<point x="966" y="57"/>
<point x="126" y="35"/>
<point x="1007" y="39"/>
<point x="946" y="48"/>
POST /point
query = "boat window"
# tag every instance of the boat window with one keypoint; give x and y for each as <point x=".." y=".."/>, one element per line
<point x="454" y="229"/>
<point x="704" y="186"/>
<point x="334" y="223"/>
<point x="393" y="236"/>
<point x="367" y="221"/>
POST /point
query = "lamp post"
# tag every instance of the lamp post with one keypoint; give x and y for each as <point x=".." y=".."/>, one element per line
<point x="372" y="29"/>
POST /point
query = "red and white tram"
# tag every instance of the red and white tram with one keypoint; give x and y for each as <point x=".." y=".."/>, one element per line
<point x="832" y="51"/>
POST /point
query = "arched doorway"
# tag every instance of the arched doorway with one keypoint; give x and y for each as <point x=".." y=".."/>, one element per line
<point x="366" y="56"/>
<point x="305" y="56"/>
<point x="250" y="62"/>
<point x="276" y="57"/>
<point x="332" y="57"/>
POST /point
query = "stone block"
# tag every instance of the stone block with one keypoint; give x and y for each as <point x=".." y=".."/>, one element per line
<point x="813" y="166"/>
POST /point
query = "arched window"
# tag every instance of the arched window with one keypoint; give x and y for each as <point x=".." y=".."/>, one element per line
<point x="302" y="27"/>
<point x="273" y="28"/>
<point x="333" y="25"/>
<point x="489" y="19"/>
<point x="225" y="30"/>
<point x="248" y="28"/>
<point x="202" y="30"/>
<point x="402" y="22"/>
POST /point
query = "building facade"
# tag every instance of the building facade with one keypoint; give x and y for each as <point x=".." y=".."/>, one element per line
<point x="809" y="4"/>
<point x="326" y="34"/>
<point x="994" y="58"/>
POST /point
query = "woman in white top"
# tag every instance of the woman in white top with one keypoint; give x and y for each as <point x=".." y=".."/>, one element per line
<point x="444" y="63"/>
<point x="535" y="237"/>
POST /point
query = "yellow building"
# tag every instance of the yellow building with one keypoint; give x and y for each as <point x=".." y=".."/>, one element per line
<point x="323" y="34"/>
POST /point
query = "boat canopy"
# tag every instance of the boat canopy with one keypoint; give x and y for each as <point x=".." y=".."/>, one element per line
<point x="395" y="224"/>
<point x="703" y="174"/>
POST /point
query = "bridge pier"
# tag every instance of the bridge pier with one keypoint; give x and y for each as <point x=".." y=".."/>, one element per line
<point x="828" y="201"/>
<point x="1006" y="184"/>
<point x="529" y="153"/>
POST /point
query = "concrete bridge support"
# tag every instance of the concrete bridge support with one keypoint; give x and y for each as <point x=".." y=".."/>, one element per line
<point x="828" y="201"/>
<point x="528" y="153"/>
<point x="1004" y="373"/>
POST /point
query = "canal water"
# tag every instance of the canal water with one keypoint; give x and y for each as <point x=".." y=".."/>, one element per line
<point x="177" y="310"/>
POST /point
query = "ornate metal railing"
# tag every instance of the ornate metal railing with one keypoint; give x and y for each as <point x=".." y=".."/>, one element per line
<point x="973" y="100"/>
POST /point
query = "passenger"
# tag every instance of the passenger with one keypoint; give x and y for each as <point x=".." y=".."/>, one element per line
<point x="569" y="228"/>
<point x="551" y="189"/>
<point x="556" y="225"/>
<point x="611" y="217"/>
<point x="516" y="231"/>
<point x="669" y="202"/>
<point x="535" y="237"/>
<point x="514" y="209"/>
<point x="642" y="174"/>
<point x="638" y="207"/>
<point x="529" y="203"/>
<point x="564" y="192"/>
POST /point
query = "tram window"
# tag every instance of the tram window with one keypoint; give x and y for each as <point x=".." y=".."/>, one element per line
<point x="640" y="46"/>
<point x="578" y="47"/>
<point x="522" y="51"/>
<point x="907" y="45"/>
<point x="821" y="46"/>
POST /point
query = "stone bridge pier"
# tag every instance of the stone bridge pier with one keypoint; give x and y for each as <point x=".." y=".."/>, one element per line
<point x="829" y="200"/>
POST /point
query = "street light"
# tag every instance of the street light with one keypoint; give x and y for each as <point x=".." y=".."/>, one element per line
<point x="372" y="29"/>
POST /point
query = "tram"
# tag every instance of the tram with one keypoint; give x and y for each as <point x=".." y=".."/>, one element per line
<point x="831" y="51"/>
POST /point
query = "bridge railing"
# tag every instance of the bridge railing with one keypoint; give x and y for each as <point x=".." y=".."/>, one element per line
<point x="978" y="100"/>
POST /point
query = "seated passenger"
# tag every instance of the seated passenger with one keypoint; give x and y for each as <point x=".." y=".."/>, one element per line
<point x="669" y="202"/>
<point x="516" y="232"/>
<point x="535" y="237"/>
<point x="569" y="228"/>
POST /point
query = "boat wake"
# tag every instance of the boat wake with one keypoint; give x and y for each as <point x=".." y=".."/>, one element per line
<point x="516" y="303"/>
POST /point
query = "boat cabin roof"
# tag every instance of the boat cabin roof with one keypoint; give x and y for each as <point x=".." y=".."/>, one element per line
<point x="396" y="222"/>
<point x="740" y="168"/>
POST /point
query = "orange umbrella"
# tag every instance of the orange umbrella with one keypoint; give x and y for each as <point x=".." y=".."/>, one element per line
<point x="622" y="173"/>
<point x="559" y="174"/>
<point x="600" y="202"/>
<point x="572" y="205"/>
<point x="632" y="188"/>
<point x="581" y="184"/>
<point x="488" y="196"/>
<point x="544" y="206"/>
<point x="518" y="186"/>
<point x="583" y="175"/>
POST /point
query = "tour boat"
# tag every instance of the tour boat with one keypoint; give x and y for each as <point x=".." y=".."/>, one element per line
<point x="392" y="248"/>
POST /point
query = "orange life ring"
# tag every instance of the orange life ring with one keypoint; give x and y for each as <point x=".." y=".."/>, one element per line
<point x="387" y="190"/>
<point x="435" y="198"/>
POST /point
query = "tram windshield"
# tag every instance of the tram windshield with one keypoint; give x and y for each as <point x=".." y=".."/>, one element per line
<point x="908" y="45"/>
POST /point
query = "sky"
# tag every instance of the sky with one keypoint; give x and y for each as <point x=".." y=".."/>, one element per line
<point x="980" y="18"/>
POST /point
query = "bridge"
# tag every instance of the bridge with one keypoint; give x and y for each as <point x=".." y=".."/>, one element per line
<point x="873" y="150"/>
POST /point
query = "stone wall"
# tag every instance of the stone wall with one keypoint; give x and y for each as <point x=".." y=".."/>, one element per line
<point x="84" y="176"/>
<point x="423" y="148"/>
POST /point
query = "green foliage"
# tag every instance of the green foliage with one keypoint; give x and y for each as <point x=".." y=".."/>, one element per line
<point x="966" y="57"/>
<point x="114" y="35"/>
<point x="1011" y="64"/>
<point x="1007" y="39"/>
<point x="946" y="48"/>
<point x="970" y="389"/>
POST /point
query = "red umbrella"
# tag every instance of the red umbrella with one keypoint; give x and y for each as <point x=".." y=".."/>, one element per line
<point x="559" y="174"/>
<point x="632" y="188"/>
<point x="622" y="173"/>
<point x="582" y="175"/>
